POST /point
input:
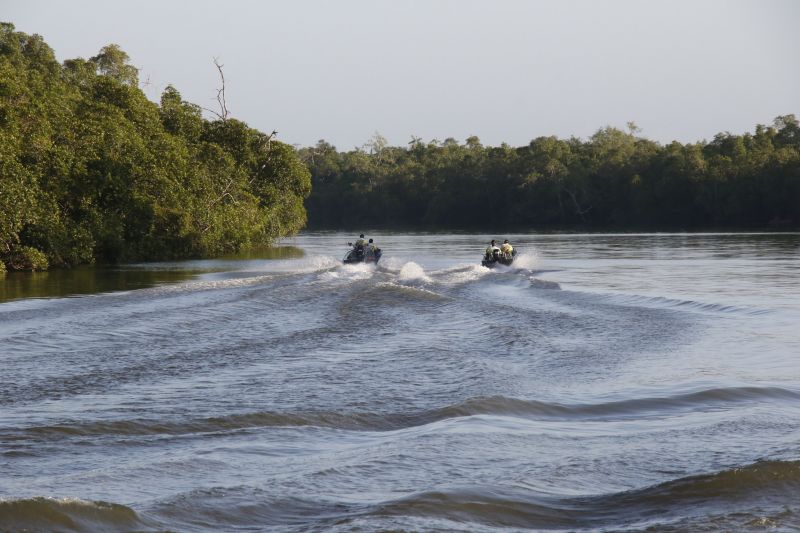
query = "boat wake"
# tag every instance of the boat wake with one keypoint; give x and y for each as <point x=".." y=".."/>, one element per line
<point x="68" y="514"/>
<point x="645" y="407"/>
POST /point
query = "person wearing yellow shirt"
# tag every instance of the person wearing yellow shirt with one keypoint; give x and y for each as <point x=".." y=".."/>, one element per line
<point x="506" y="249"/>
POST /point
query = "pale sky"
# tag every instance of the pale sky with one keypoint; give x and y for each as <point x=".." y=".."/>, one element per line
<point x="504" y="70"/>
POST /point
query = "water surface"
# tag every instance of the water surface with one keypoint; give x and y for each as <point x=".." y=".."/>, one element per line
<point x="603" y="382"/>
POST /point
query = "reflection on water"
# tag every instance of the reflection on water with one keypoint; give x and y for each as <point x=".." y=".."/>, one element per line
<point x="273" y="252"/>
<point x="83" y="280"/>
<point x="98" y="279"/>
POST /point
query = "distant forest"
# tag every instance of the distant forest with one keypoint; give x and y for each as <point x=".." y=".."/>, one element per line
<point x="613" y="180"/>
<point x="91" y="170"/>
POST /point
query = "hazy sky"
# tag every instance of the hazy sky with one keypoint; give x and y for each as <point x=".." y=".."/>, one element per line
<point x="503" y="70"/>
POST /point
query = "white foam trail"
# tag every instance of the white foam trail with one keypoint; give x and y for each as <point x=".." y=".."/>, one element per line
<point x="315" y="263"/>
<point x="359" y="270"/>
<point x="465" y="274"/>
<point x="350" y="272"/>
<point x="305" y="265"/>
<point x="204" y="285"/>
<point x="393" y="264"/>
<point x="413" y="272"/>
<point x="419" y="291"/>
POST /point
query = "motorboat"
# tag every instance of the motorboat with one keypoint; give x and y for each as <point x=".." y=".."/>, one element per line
<point x="362" y="254"/>
<point x="498" y="258"/>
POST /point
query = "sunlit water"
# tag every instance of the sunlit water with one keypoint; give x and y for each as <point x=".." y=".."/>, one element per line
<point x="604" y="382"/>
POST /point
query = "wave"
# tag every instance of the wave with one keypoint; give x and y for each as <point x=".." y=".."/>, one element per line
<point x="525" y="261"/>
<point x="229" y="508"/>
<point x="461" y="274"/>
<point x="348" y="273"/>
<point x="701" y="499"/>
<point x="689" y="305"/>
<point x="408" y="291"/>
<point x="59" y="514"/>
<point x="737" y="498"/>
<point x="412" y="272"/>
<point x="376" y="421"/>
<point x="273" y="270"/>
<point x="501" y="405"/>
<point x="537" y="283"/>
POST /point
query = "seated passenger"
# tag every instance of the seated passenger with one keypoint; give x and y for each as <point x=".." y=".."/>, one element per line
<point x="371" y="250"/>
<point x="492" y="252"/>
<point x="360" y="242"/>
<point x="507" y="249"/>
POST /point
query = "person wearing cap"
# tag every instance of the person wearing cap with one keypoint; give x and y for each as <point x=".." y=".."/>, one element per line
<point x="371" y="249"/>
<point x="360" y="242"/>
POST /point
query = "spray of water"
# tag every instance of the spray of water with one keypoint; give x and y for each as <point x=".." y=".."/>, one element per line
<point x="412" y="272"/>
<point x="526" y="261"/>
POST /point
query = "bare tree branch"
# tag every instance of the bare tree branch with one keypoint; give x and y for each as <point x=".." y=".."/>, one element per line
<point x="222" y="114"/>
<point x="221" y="92"/>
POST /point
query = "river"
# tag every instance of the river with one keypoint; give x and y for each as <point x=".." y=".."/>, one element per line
<point x="602" y="382"/>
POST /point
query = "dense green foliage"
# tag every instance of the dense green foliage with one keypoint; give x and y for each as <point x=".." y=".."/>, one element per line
<point x="91" y="170"/>
<point x="614" y="179"/>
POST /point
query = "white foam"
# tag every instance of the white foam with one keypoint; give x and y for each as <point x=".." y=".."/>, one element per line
<point x="464" y="274"/>
<point x="418" y="291"/>
<point x="315" y="263"/>
<point x="413" y="272"/>
<point x="393" y="264"/>
<point x="359" y="270"/>
<point x="349" y="272"/>
<point x="202" y="285"/>
<point x="527" y="261"/>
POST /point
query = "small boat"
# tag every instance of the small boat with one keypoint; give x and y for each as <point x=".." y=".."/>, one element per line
<point x="361" y="254"/>
<point x="498" y="258"/>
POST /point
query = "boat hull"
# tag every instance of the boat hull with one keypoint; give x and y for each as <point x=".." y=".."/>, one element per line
<point x="352" y="257"/>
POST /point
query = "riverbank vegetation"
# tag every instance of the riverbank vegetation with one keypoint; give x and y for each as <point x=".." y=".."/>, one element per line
<point x="613" y="180"/>
<point x="91" y="170"/>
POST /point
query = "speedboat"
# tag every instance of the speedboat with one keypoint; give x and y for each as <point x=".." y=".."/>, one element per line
<point x="361" y="254"/>
<point x="498" y="258"/>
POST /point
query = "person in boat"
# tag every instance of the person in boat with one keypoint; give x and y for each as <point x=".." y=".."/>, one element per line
<point x="371" y="250"/>
<point x="360" y="243"/>
<point x="507" y="250"/>
<point x="492" y="252"/>
<point x="359" y="246"/>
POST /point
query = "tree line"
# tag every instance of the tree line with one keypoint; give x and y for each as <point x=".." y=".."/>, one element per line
<point x="91" y="170"/>
<point x="613" y="180"/>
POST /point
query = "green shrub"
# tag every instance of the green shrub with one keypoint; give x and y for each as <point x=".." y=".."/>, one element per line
<point x="92" y="170"/>
<point x="27" y="258"/>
